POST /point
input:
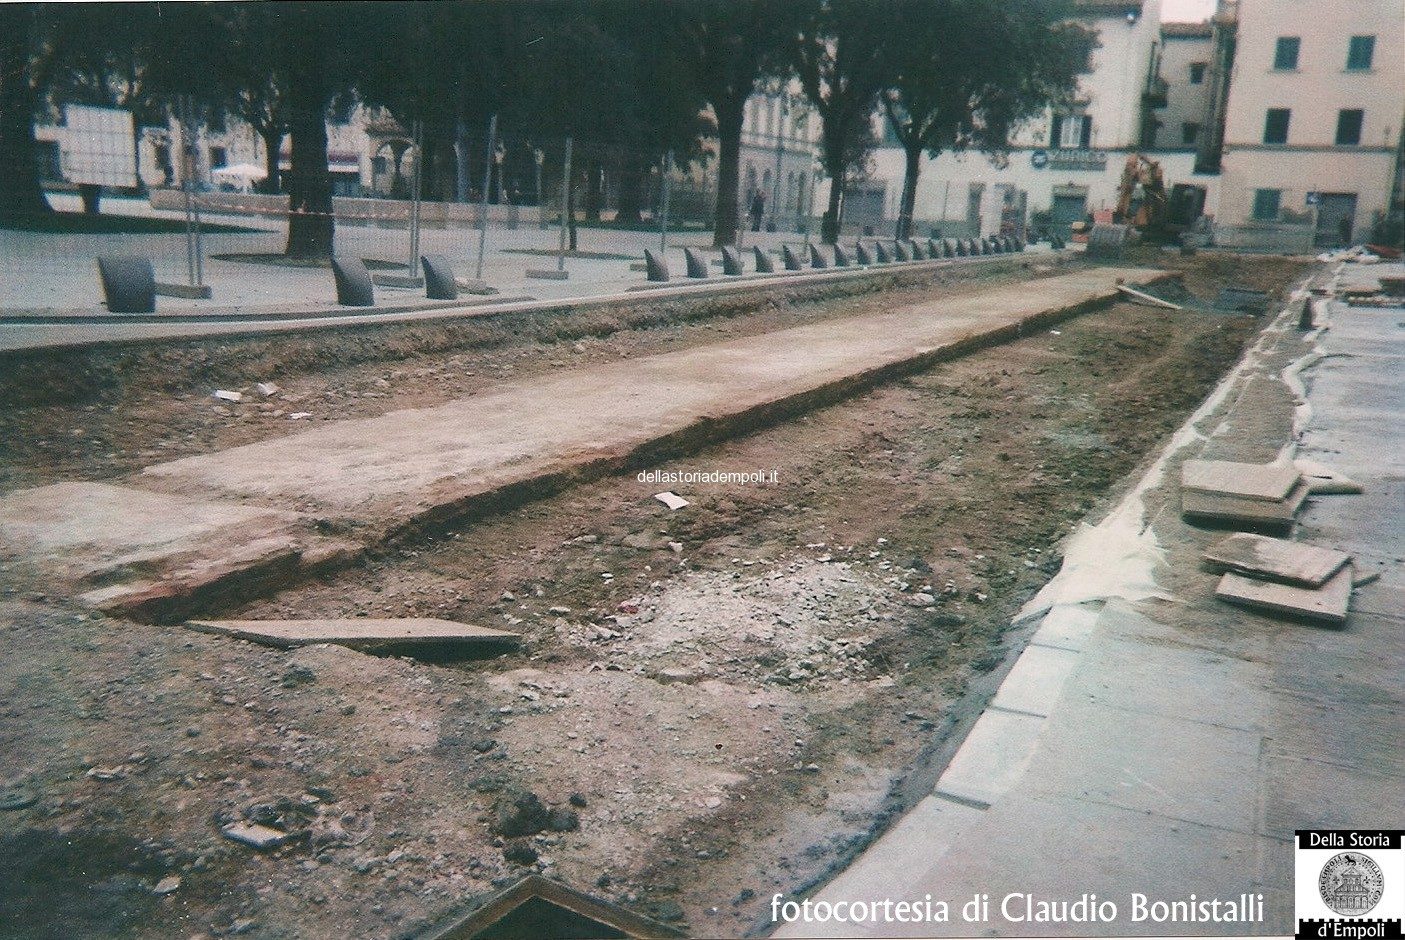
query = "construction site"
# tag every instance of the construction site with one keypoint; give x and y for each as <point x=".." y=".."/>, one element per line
<point x="690" y="599"/>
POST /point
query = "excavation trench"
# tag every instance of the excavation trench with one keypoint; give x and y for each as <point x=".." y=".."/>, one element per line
<point x="740" y="693"/>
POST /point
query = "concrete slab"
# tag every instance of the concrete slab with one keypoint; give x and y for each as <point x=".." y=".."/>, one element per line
<point x="899" y="865"/>
<point x="1327" y="603"/>
<point x="1276" y="559"/>
<point x="1251" y="481"/>
<point x="1036" y="681"/>
<point x="1067" y="626"/>
<point x="355" y="632"/>
<point x="113" y="545"/>
<point x="992" y="758"/>
<point x="410" y="461"/>
<point x="1197" y="772"/>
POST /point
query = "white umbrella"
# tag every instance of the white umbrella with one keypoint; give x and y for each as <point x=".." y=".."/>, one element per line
<point x="243" y="175"/>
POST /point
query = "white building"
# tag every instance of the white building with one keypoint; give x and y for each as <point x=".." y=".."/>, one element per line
<point x="1312" y="130"/>
<point x="1281" y="119"/>
<point x="1067" y="163"/>
<point x="779" y="133"/>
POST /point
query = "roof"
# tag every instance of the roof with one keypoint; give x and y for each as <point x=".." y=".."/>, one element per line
<point x="1199" y="30"/>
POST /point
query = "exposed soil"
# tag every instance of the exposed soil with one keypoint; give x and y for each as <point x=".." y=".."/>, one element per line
<point x="714" y="704"/>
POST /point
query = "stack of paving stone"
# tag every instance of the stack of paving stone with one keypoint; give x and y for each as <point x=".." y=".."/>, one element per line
<point x="1273" y="574"/>
<point x="1266" y="496"/>
<point x="1277" y="575"/>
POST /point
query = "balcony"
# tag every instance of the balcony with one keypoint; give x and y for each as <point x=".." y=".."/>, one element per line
<point x="1154" y="95"/>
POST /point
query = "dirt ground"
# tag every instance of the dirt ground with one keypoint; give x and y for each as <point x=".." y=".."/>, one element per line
<point x="712" y="704"/>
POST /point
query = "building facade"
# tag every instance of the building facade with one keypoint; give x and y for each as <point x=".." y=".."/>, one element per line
<point x="1281" y="120"/>
<point x="1313" y="118"/>
<point x="1061" y="166"/>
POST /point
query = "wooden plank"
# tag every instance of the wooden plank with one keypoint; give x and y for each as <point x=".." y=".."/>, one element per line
<point x="1147" y="298"/>
<point x="1276" y="559"/>
<point x="1197" y="506"/>
<point x="1246" y="480"/>
<point x="354" y="632"/>
<point x="1327" y="604"/>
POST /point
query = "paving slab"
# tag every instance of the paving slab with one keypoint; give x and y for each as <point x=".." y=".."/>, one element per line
<point x="355" y="632"/>
<point x="1327" y="603"/>
<point x="1197" y="772"/>
<point x="1228" y="478"/>
<point x="1036" y="681"/>
<point x="1067" y="626"/>
<point x="992" y="758"/>
<point x="1243" y="510"/>
<point x="1142" y="665"/>
<point x="900" y="865"/>
<point x="1276" y="559"/>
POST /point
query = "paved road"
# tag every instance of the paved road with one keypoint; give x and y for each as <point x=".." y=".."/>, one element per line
<point x="380" y="473"/>
<point x="1170" y="745"/>
<point x="49" y="271"/>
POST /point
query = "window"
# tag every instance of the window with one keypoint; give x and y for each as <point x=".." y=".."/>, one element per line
<point x="1197" y="73"/>
<point x="1360" y="53"/>
<point x="1190" y="132"/>
<point x="1266" y="204"/>
<point x="1276" y="125"/>
<point x="1071" y="132"/>
<point x="1285" y="56"/>
<point x="1349" y="127"/>
<point x="217" y="157"/>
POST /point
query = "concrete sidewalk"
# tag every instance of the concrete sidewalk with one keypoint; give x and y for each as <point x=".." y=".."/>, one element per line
<point x="180" y="530"/>
<point x="1152" y="740"/>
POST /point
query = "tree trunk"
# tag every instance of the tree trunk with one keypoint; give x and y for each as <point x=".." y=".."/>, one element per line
<point x="21" y="191"/>
<point x="461" y="155"/>
<point x="631" y="208"/>
<point x="571" y="212"/>
<point x="272" y="153"/>
<point x="91" y="194"/>
<point x="594" y="191"/>
<point x="311" y="228"/>
<point x="911" y="170"/>
<point x="729" y="151"/>
<point x="829" y="225"/>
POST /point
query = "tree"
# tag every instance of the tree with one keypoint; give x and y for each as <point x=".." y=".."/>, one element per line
<point x="666" y="109"/>
<point x="841" y="57"/>
<point x="967" y="71"/>
<point x="112" y="58"/>
<point x="251" y="80"/>
<point x="730" y="46"/>
<point x="451" y="66"/>
<point x="25" y="53"/>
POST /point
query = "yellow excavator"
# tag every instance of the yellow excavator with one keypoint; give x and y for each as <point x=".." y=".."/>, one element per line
<point x="1150" y="214"/>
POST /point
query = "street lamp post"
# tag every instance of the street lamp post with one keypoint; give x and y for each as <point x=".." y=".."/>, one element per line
<point x="540" y="157"/>
<point x="780" y="151"/>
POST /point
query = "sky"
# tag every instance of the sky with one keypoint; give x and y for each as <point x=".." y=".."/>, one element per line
<point x="1180" y="11"/>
